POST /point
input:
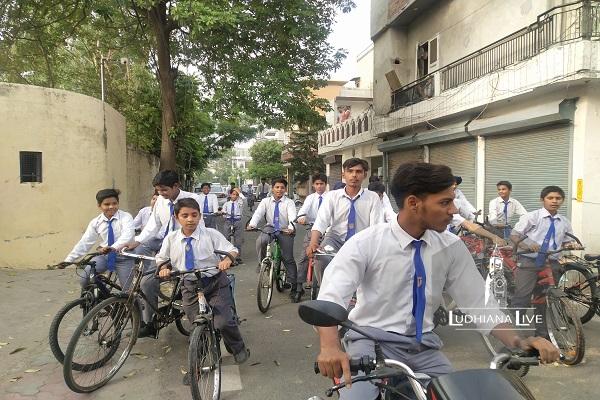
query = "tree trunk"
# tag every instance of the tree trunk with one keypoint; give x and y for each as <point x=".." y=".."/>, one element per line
<point x="157" y="16"/>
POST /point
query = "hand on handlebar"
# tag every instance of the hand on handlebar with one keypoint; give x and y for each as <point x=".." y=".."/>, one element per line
<point x="302" y="220"/>
<point x="63" y="264"/>
<point x="534" y="247"/>
<point x="334" y="363"/>
<point x="105" y="250"/>
<point x="311" y="249"/>
<point x="573" y="246"/>
<point x="224" y="264"/>
<point x="287" y="231"/>
<point x="164" y="273"/>
<point x="548" y="352"/>
<point x="250" y="228"/>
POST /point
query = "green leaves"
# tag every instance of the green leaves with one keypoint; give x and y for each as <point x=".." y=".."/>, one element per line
<point x="266" y="159"/>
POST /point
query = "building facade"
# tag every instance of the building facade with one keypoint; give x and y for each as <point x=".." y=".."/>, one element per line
<point x="501" y="90"/>
<point x="59" y="148"/>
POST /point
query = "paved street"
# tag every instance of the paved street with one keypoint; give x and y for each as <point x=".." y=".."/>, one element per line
<point x="283" y="349"/>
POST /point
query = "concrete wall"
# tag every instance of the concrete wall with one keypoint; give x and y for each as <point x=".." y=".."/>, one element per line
<point x="364" y="64"/>
<point x="42" y="221"/>
<point x="141" y="169"/>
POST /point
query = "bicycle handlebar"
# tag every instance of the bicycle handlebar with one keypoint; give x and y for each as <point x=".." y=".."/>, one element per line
<point x="81" y="263"/>
<point x="138" y="256"/>
<point x="309" y="224"/>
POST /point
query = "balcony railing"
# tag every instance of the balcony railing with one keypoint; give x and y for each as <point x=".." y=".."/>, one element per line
<point x="561" y="24"/>
<point x="357" y="125"/>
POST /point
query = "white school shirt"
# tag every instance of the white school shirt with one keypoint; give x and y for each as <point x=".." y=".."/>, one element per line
<point x="141" y="219"/>
<point x="335" y="208"/>
<point x="205" y="242"/>
<point x="496" y="210"/>
<point x="266" y="188"/>
<point x="311" y="206"/>
<point x="388" y="211"/>
<point x="266" y="209"/>
<point x="161" y="215"/>
<point x="238" y="211"/>
<point x="213" y="202"/>
<point x="535" y="225"/>
<point x="377" y="264"/>
<point x="98" y="229"/>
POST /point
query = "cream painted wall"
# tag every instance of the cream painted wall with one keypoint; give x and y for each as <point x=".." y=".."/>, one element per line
<point x="141" y="169"/>
<point x="364" y="64"/>
<point x="43" y="221"/>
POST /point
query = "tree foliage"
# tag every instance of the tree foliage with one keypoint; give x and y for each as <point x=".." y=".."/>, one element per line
<point x="303" y="147"/>
<point x="266" y="159"/>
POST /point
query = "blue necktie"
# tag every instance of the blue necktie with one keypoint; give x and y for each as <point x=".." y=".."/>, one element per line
<point x="540" y="260"/>
<point x="419" y="282"/>
<point x="171" y="212"/>
<point x="351" y="219"/>
<point x="205" y="209"/>
<point x="276" y="217"/>
<point x="112" y="256"/>
<point x="506" y="229"/>
<point x="320" y="201"/>
<point x="189" y="254"/>
<point x="232" y="212"/>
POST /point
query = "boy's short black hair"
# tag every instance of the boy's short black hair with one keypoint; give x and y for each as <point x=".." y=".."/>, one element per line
<point x="319" y="177"/>
<point x="166" y="178"/>
<point x="232" y="184"/>
<point x="204" y="184"/>
<point x="376" y="187"/>
<point x="353" y="162"/>
<point x="107" y="193"/>
<point x="420" y="179"/>
<point x="505" y="183"/>
<point x="279" y="180"/>
<point x="187" y="202"/>
<point x="550" y="189"/>
<point x="374" y="178"/>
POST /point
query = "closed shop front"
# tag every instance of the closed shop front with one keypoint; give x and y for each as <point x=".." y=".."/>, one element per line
<point x="530" y="160"/>
<point x="335" y="169"/>
<point x="461" y="157"/>
<point x="396" y="158"/>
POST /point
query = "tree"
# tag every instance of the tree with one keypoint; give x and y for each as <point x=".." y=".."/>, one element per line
<point x="303" y="147"/>
<point x="266" y="159"/>
<point x="260" y="58"/>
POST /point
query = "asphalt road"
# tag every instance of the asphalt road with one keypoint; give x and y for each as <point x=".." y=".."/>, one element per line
<point x="283" y="349"/>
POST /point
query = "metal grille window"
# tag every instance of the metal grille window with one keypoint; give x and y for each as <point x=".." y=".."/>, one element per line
<point x="31" y="166"/>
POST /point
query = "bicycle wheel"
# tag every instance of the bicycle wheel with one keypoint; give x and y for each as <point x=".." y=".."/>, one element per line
<point x="580" y="287"/>
<point x="101" y="344"/>
<point x="565" y="329"/>
<point x="280" y="275"/>
<point x="495" y="346"/>
<point x="264" y="292"/>
<point x="65" y="323"/>
<point x="204" y="364"/>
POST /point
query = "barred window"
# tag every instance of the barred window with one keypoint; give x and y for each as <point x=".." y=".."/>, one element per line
<point x="31" y="166"/>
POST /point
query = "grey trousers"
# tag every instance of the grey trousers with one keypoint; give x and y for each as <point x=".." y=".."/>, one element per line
<point x="210" y="221"/>
<point x="425" y="357"/>
<point x="526" y="279"/>
<point x="150" y="285"/>
<point x="219" y="298"/>
<point x="303" y="263"/>
<point x="287" y="254"/>
<point x="238" y="236"/>
<point x="123" y="268"/>
<point x="321" y="262"/>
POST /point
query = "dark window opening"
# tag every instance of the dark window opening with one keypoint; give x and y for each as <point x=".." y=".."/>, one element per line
<point x="31" y="166"/>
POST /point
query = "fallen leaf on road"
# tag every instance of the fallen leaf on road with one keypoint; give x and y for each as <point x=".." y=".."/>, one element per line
<point x="70" y="291"/>
<point x="18" y="349"/>
<point x="16" y="378"/>
<point x="31" y="371"/>
<point x="141" y="356"/>
<point x="10" y="338"/>
<point x="167" y="349"/>
<point x="268" y="316"/>
<point x="277" y="363"/>
<point x="47" y="315"/>
<point x="129" y="375"/>
<point x="183" y="371"/>
<point x="157" y="369"/>
<point x="256" y="363"/>
<point x="3" y="343"/>
<point x="287" y="330"/>
<point x="308" y="346"/>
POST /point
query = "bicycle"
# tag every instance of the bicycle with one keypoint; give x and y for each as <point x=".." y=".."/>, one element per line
<point x="564" y="326"/>
<point x="110" y="331"/>
<point x="99" y="287"/>
<point x="270" y="273"/>
<point x="204" y="352"/>
<point x="580" y="283"/>
<point x="311" y="279"/>
<point x="380" y="371"/>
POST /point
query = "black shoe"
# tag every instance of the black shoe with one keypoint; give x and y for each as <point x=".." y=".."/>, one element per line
<point x="242" y="356"/>
<point x="148" y="330"/>
<point x="239" y="260"/>
<point x="297" y="296"/>
<point x="186" y="379"/>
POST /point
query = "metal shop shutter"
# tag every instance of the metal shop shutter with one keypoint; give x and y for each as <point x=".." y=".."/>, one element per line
<point x="461" y="157"/>
<point x="530" y="161"/>
<point x="335" y="173"/>
<point x="397" y="158"/>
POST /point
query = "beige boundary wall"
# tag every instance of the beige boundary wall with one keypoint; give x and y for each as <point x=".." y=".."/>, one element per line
<point x="42" y="221"/>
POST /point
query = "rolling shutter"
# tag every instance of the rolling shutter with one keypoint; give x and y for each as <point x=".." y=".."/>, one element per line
<point x="530" y="161"/>
<point x="461" y="158"/>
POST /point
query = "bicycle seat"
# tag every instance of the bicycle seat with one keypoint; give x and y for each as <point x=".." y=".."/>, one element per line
<point x="591" y="257"/>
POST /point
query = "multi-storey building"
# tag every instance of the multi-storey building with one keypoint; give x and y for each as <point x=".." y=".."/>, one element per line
<point x="497" y="90"/>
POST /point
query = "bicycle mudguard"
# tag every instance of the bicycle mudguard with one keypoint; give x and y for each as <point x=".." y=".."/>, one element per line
<point x="476" y="384"/>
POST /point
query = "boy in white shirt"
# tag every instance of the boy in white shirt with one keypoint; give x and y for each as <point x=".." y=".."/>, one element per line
<point x="503" y="208"/>
<point x="192" y="248"/>
<point x="233" y="210"/>
<point x="114" y="228"/>
<point x="209" y="205"/>
<point x="141" y="219"/>
<point x="388" y="211"/>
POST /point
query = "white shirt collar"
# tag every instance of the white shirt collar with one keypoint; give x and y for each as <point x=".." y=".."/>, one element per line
<point x="545" y="213"/>
<point x="103" y="217"/>
<point x="360" y="192"/>
<point x="405" y="239"/>
<point x="196" y="234"/>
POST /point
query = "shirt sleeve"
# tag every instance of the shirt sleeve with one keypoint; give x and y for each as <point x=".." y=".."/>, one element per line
<point x="259" y="213"/>
<point x="323" y="220"/>
<point x="291" y="213"/>
<point x="137" y="221"/>
<point x="220" y="242"/>
<point x="215" y="202"/>
<point x="519" y="209"/>
<point x="492" y="213"/>
<point x="387" y="202"/>
<point x="305" y="206"/>
<point x="90" y="236"/>
<point x="344" y="273"/>
<point x="151" y="228"/>
<point x="164" y="253"/>
<point x="377" y="215"/>
<point x="127" y="231"/>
